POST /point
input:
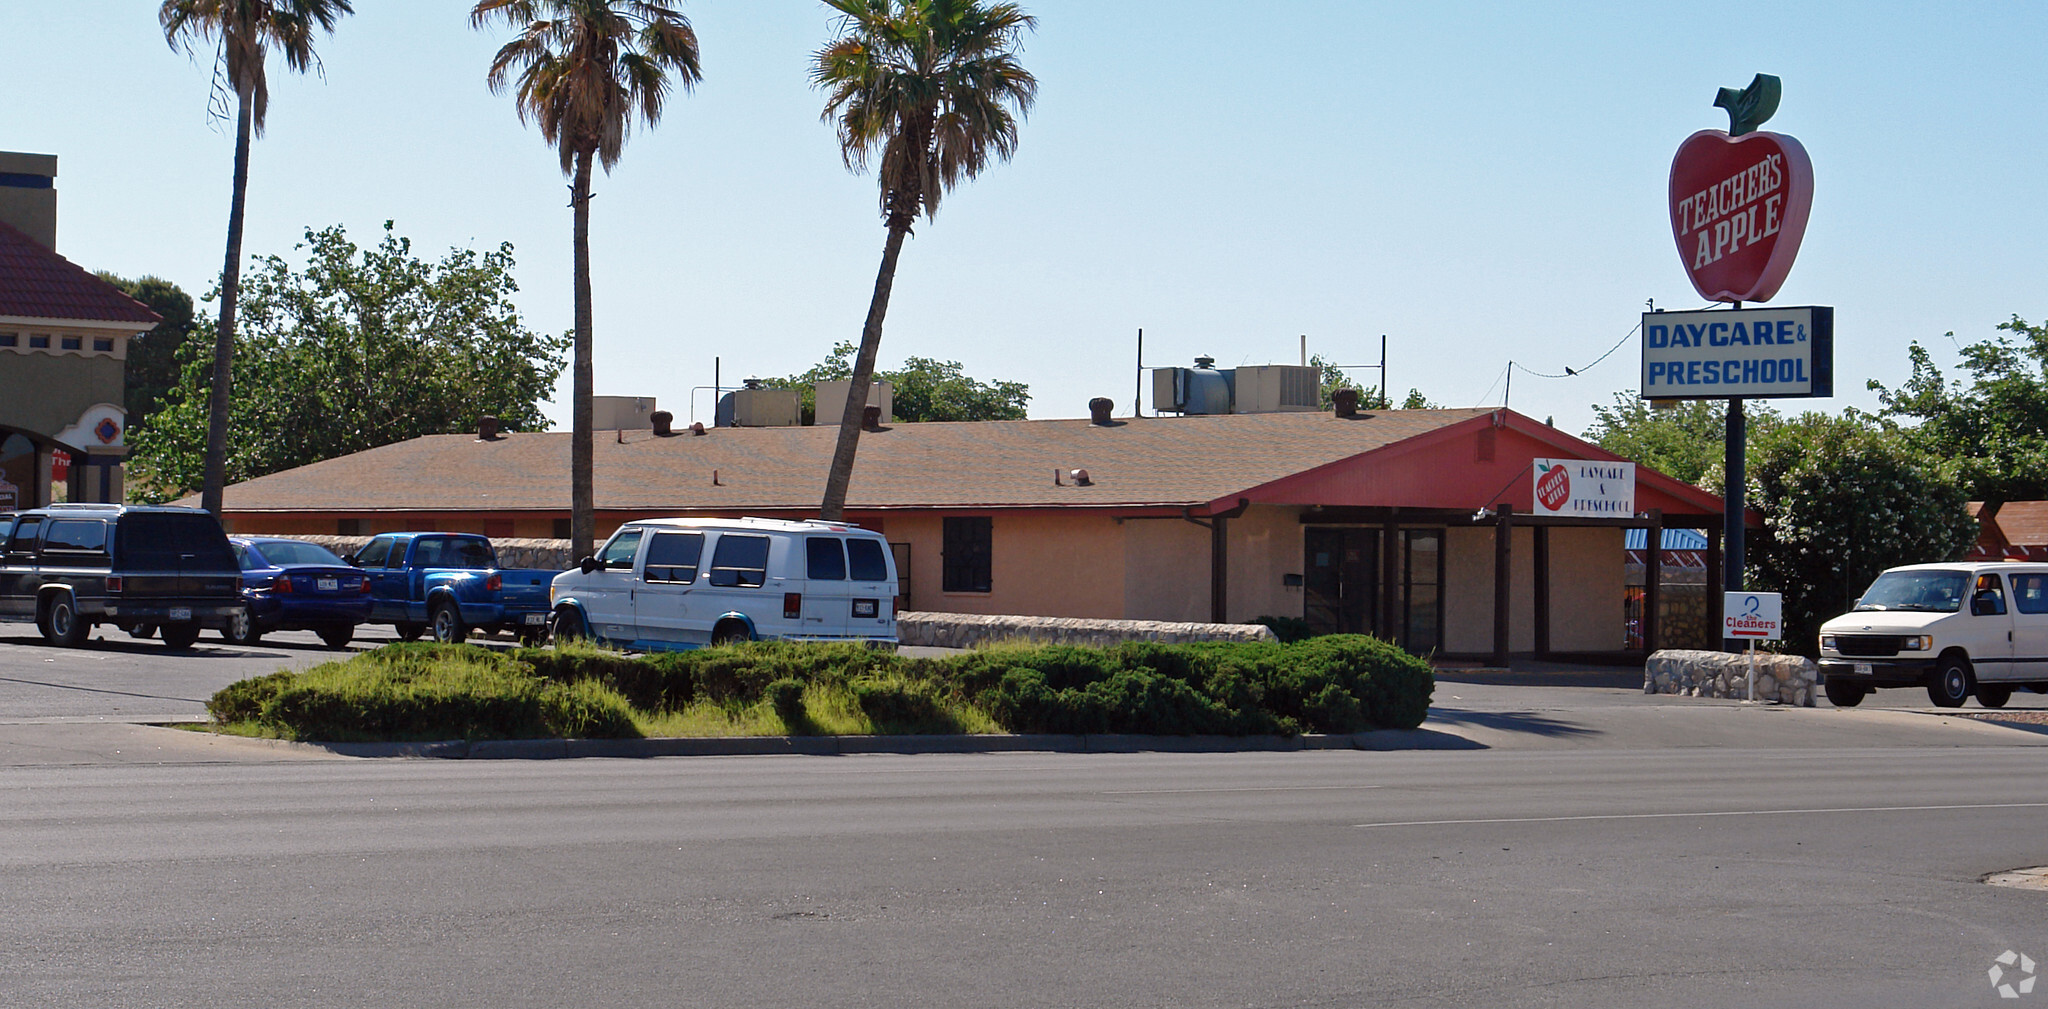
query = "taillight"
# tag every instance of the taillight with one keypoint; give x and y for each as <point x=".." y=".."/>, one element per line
<point x="113" y="583"/>
<point x="363" y="586"/>
<point x="282" y="584"/>
<point x="792" y="605"/>
<point x="495" y="582"/>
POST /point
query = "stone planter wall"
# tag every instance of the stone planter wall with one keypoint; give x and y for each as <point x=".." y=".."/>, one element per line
<point x="966" y="630"/>
<point x="1782" y="679"/>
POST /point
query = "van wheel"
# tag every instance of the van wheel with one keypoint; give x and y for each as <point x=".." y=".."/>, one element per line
<point x="731" y="632"/>
<point x="180" y="636"/>
<point x="569" y="626"/>
<point x="448" y="628"/>
<point x="1953" y="682"/>
<point x="410" y="631"/>
<point x="1843" y="694"/>
<point x="60" y="623"/>
<point x="337" y="635"/>
<point x="1993" y="696"/>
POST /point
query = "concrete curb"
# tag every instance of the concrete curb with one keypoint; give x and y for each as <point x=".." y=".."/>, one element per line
<point x="832" y="746"/>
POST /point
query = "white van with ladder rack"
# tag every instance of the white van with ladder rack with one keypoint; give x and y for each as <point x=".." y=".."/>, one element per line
<point x="672" y="584"/>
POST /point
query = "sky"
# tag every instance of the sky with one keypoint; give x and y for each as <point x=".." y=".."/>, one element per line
<point x="1481" y="183"/>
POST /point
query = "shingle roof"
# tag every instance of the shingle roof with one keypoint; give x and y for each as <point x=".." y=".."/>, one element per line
<point x="2024" y="523"/>
<point x="1133" y="462"/>
<point x="37" y="283"/>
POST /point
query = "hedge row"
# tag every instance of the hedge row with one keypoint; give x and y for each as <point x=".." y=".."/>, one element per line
<point x="1336" y="683"/>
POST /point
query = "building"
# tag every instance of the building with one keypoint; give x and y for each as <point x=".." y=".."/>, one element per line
<point x="1413" y="524"/>
<point x="63" y="345"/>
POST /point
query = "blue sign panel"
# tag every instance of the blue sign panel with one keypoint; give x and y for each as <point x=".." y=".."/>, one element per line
<point x="1754" y="353"/>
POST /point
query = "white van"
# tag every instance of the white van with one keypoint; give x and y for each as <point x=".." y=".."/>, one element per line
<point x="1957" y="629"/>
<point x="672" y="584"/>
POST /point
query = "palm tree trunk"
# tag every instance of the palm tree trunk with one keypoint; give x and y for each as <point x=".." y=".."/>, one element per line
<point x="833" y="509"/>
<point x="215" y="480"/>
<point x="582" y="499"/>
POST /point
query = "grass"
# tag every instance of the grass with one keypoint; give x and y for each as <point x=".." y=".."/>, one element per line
<point x="426" y="692"/>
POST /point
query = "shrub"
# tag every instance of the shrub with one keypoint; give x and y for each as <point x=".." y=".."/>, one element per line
<point x="904" y="707"/>
<point x="786" y="697"/>
<point x="1288" y="629"/>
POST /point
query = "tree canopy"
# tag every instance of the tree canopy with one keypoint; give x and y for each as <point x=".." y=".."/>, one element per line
<point x="924" y="389"/>
<point x="1996" y="427"/>
<point x="353" y="349"/>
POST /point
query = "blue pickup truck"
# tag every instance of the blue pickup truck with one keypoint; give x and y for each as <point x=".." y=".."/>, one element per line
<point x="451" y="584"/>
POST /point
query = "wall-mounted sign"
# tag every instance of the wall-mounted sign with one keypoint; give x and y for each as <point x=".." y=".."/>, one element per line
<point x="1585" y="488"/>
<point x="1756" y="616"/>
<point x="1738" y="210"/>
<point x="1754" y="353"/>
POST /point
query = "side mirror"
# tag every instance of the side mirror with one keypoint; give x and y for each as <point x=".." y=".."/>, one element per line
<point x="1986" y="604"/>
<point x="589" y="564"/>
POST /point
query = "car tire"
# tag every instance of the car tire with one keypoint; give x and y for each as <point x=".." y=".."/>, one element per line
<point x="1843" y="694"/>
<point x="410" y="631"/>
<point x="241" y="630"/>
<point x="61" y="623"/>
<point x="447" y="624"/>
<point x="337" y="635"/>
<point x="144" y="631"/>
<point x="1993" y="695"/>
<point x="731" y="632"/>
<point x="568" y="625"/>
<point x="1953" y="682"/>
<point x="180" y="636"/>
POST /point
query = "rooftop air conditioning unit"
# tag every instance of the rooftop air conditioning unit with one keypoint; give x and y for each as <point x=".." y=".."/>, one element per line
<point x="757" y="406"/>
<point x="830" y="398"/>
<point x="1277" y="388"/>
<point x="1197" y="390"/>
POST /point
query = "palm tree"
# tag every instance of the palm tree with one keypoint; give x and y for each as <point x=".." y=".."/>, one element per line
<point x="244" y="31"/>
<point x="925" y="89"/>
<point x="584" y="68"/>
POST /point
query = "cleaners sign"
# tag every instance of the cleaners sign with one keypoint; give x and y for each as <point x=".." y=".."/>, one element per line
<point x="1758" y="616"/>
<point x="1754" y="353"/>
<point x="1583" y="488"/>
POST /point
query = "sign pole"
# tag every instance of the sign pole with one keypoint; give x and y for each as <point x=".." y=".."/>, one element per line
<point x="1752" y="670"/>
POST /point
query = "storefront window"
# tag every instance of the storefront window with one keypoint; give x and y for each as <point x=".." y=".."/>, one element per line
<point x="17" y="473"/>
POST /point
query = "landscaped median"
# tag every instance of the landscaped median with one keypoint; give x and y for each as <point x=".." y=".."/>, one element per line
<point x="424" y="692"/>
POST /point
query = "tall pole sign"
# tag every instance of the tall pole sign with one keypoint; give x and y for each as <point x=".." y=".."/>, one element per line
<point x="1739" y="204"/>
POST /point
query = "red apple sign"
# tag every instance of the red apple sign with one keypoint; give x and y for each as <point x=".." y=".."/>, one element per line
<point x="1554" y="488"/>
<point x="1738" y="210"/>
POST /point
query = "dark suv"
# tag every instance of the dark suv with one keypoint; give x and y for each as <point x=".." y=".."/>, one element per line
<point x="73" y="566"/>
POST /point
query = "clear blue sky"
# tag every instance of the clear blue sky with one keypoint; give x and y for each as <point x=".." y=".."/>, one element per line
<point x="1480" y="182"/>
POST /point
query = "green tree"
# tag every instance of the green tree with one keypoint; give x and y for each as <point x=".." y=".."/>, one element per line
<point x="1686" y="441"/>
<point x="924" y="389"/>
<point x="245" y="31"/>
<point x="1333" y="379"/>
<point x="1995" y="428"/>
<point x="930" y="91"/>
<point x="354" y="349"/>
<point x="152" y="366"/>
<point x="585" y="69"/>
<point x="1844" y="498"/>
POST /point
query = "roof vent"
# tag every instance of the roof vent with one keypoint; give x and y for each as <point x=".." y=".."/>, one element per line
<point x="1098" y="410"/>
<point x="1205" y="362"/>
<point x="487" y="429"/>
<point x="1346" y="402"/>
<point x="1081" y="478"/>
<point x="664" y="423"/>
<point x="871" y="418"/>
<point x="697" y="429"/>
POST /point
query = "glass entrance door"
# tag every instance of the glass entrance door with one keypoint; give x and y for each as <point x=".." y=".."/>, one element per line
<point x="1342" y="582"/>
<point x="1422" y="566"/>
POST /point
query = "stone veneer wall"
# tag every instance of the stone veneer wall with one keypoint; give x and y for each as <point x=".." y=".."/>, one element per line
<point x="1784" y="679"/>
<point x="966" y="630"/>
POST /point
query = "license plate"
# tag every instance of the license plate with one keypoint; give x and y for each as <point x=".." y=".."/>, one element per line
<point x="327" y="584"/>
<point x="536" y="619"/>
<point x="865" y="607"/>
<point x="1863" y="669"/>
<point x="181" y="613"/>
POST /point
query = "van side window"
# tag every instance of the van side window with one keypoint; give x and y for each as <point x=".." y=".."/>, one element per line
<point x="865" y="562"/>
<point x="2030" y="593"/>
<point x="372" y="555"/>
<point x="673" y="557"/>
<point x="1989" y="599"/>
<point x="739" y="561"/>
<point x="619" y="553"/>
<point x="80" y="541"/>
<point x="24" y="538"/>
<point x="825" y="559"/>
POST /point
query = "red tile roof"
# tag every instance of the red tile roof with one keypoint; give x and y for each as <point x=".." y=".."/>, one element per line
<point x="37" y="283"/>
<point x="1167" y="461"/>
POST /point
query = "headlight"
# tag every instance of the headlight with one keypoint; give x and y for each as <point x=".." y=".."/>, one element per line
<point x="1827" y="642"/>
<point x="1917" y="643"/>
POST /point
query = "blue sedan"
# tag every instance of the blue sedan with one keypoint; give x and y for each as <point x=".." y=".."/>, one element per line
<point x="292" y="585"/>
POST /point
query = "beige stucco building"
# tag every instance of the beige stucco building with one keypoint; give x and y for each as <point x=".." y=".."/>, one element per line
<point x="64" y="337"/>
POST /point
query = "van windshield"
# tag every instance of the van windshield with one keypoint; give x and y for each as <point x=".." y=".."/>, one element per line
<point x="1931" y="591"/>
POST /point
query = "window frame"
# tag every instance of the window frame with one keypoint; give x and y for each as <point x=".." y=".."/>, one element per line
<point x="967" y="555"/>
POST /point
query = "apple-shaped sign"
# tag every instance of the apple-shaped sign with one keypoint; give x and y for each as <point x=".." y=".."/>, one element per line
<point x="1738" y="210"/>
<point x="1553" y="487"/>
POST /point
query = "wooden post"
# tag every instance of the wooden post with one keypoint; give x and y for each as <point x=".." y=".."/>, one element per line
<point x="1653" y="578"/>
<point x="1503" y="536"/>
<point x="1219" y="570"/>
<point x="1390" y="583"/>
<point x="1713" y="600"/>
<point x="1541" y="562"/>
